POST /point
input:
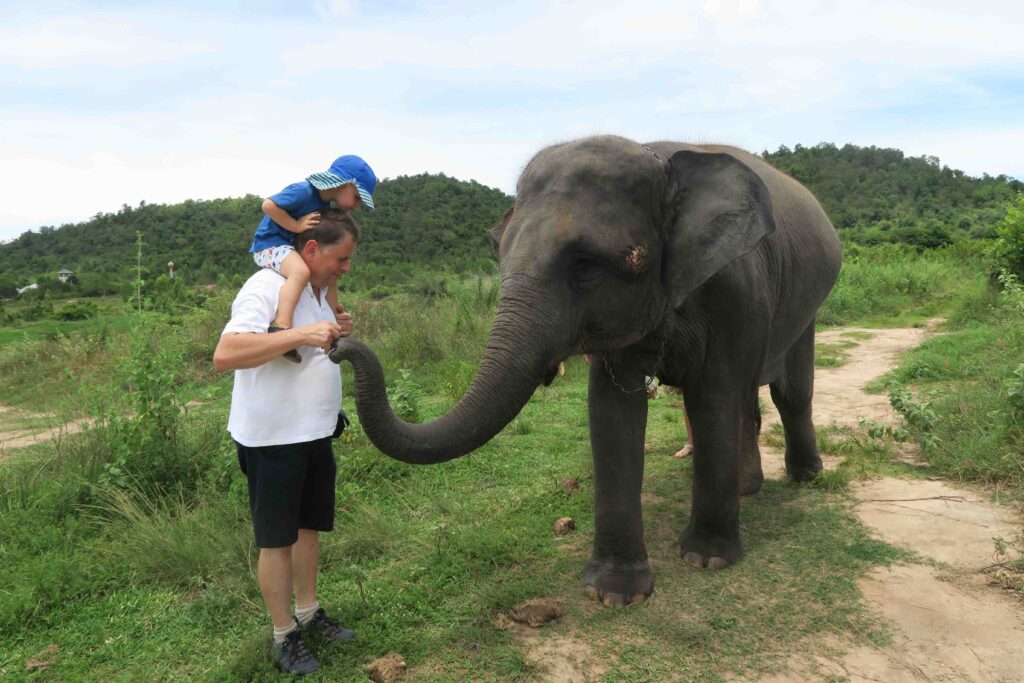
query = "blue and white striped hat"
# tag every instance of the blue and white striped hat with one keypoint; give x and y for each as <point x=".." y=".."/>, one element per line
<point x="348" y="169"/>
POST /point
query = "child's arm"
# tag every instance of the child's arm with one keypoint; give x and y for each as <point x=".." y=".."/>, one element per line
<point x="282" y="218"/>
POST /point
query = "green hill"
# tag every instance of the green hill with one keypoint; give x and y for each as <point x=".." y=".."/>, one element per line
<point x="878" y="195"/>
<point x="872" y="195"/>
<point x="422" y="219"/>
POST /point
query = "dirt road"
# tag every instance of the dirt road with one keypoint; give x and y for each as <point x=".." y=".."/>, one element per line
<point x="949" y="626"/>
<point x="19" y="429"/>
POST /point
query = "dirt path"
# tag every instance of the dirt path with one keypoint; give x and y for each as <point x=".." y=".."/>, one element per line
<point x="949" y="626"/>
<point x="18" y="429"/>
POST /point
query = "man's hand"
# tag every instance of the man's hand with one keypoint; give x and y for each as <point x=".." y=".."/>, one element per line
<point x="320" y="334"/>
<point x="344" y="321"/>
<point x="310" y="220"/>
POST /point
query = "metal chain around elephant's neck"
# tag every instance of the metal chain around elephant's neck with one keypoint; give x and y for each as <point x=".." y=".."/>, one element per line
<point x="646" y="386"/>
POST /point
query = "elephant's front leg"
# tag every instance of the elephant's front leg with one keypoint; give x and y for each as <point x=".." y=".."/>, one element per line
<point x="712" y="538"/>
<point x="617" y="572"/>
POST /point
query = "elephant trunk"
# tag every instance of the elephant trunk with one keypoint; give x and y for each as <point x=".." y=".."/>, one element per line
<point x="514" y="363"/>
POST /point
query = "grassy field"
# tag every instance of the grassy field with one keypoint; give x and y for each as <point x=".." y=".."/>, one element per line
<point x="128" y="546"/>
<point x="422" y="561"/>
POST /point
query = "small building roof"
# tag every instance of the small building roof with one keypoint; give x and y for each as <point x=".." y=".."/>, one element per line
<point x="65" y="270"/>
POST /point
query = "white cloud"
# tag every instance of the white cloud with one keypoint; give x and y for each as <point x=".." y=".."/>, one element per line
<point x="71" y="43"/>
<point x="165" y="103"/>
<point x="333" y="9"/>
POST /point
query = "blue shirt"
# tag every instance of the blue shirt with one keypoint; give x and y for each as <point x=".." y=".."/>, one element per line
<point x="297" y="199"/>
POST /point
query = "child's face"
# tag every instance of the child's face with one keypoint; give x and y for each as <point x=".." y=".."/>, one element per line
<point x="347" y="198"/>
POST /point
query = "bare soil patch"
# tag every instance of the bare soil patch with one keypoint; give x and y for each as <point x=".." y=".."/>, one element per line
<point x="19" y="429"/>
<point x="948" y="625"/>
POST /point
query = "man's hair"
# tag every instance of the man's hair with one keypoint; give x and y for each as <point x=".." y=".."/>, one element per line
<point x="333" y="226"/>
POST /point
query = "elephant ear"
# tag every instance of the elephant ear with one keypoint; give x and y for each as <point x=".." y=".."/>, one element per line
<point x="721" y="211"/>
<point x="498" y="230"/>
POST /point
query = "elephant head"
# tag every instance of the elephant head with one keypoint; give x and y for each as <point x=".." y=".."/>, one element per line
<point x="605" y="240"/>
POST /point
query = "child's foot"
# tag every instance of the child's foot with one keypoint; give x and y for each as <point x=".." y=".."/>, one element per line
<point x="292" y="354"/>
<point x="685" y="451"/>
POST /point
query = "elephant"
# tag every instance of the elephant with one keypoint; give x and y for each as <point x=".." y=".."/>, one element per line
<point x="700" y="265"/>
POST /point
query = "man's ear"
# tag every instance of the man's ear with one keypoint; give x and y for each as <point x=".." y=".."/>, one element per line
<point x="722" y="210"/>
<point x="498" y="230"/>
<point x="309" y="248"/>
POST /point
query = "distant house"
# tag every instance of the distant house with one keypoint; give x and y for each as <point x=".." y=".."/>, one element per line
<point x="65" y="275"/>
<point x="27" y="288"/>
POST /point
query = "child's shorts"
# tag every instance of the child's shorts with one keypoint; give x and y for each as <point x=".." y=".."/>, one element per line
<point x="273" y="257"/>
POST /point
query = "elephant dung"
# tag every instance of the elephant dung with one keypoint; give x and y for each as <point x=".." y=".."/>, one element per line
<point x="502" y="622"/>
<point x="564" y="525"/>
<point x="571" y="484"/>
<point x="537" y="612"/>
<point x="44" y="659"/>
<point x="387" y="669"/>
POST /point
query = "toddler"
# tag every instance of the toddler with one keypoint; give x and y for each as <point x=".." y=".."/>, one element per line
<point x="348" y="183"/>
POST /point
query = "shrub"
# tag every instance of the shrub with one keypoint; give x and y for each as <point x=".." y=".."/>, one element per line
<point x="38" y="309"/>
<point x="1009" y="248"/>
<point x="142" y="416"/>
<point x="77" y="310"/>
<point x="405" y="397"/>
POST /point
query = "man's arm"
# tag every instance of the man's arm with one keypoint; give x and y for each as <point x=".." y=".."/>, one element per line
<point x="241" y="350"/>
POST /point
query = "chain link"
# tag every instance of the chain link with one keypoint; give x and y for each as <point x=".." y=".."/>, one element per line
<point x="650" y="378"/>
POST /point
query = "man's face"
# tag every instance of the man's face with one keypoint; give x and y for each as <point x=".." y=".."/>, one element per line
<point x="327" y="264"/>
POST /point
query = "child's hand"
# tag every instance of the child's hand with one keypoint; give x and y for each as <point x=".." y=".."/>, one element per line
<point x="310" y="220"/>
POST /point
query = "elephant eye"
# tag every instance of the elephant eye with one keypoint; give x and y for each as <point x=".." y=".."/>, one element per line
<point x="585" y="272"/>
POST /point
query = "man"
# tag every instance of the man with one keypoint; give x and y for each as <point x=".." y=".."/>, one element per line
<point x="282" y="418"/>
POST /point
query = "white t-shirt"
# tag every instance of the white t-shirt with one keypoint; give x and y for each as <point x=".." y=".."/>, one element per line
<point x="281" y="402"/>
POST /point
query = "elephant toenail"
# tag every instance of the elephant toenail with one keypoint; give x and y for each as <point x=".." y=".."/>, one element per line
<point x="613" y="600"/>
<point x="694" y="559"/>
<point x="637" y="599"/>
<point x="591" y="593"/>
<point x="717" y="563"/>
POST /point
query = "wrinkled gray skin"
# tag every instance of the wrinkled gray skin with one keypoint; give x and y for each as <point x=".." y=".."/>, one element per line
<point x="698" y="263"/>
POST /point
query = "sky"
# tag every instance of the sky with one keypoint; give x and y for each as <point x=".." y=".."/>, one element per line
<point x="106" y="104"/>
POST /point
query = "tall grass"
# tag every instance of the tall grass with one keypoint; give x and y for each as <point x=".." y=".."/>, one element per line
<point x="971" y="380"/>
<point x="171" y="539"/>
<point x="895" y="284"/>
<point x="124" y="566"/>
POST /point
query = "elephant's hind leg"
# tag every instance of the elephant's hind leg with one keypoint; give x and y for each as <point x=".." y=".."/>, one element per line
<point x="751" y="474"/>
<point x="792" y="393"/>
<point x="618" y="572"/>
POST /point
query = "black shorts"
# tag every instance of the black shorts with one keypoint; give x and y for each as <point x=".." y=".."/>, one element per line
<point x="291" y="487"/>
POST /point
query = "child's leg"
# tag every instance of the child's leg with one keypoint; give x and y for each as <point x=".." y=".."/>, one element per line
<point x="295" y="269"/>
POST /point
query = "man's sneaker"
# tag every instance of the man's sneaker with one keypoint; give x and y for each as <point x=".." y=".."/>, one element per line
<point x="292" y="656"/>
<point x="329" y="628"/>
<point x="291" y="355"/>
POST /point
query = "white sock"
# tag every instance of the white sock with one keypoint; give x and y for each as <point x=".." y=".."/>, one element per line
<point x="280" y="633"/>
<point x="305" y="613"/>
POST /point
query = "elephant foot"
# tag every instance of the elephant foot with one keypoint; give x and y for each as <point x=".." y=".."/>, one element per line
<point x="615" y="583"/>
<point x="806" y="470"/>
<point x="751" y="482"/>
<point x="704" y="552"/>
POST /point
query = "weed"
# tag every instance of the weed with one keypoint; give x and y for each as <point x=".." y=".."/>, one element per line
<point x="1007" y="571"/>
<point x="917" y="414"/>
<point x="832" y="355"/>
<point x="521" y="426"/>
<point x="832" y="480"/>
<point x="405" y="396"/>
<point x="169" y="539"/>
